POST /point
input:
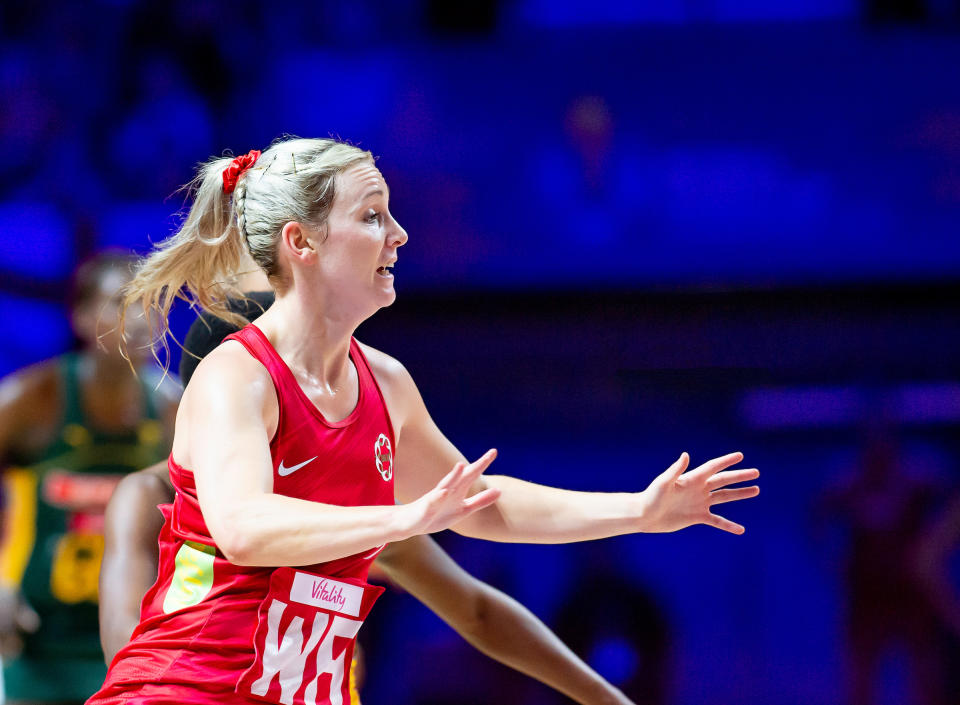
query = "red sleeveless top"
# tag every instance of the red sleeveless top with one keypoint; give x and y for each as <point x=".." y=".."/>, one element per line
<point x="212" y="632"/>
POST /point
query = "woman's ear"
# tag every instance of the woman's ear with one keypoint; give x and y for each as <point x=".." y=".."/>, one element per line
<point x="299" y="241"/>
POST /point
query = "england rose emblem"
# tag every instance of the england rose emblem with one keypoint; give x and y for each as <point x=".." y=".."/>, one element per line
<point x="384" y="457"/>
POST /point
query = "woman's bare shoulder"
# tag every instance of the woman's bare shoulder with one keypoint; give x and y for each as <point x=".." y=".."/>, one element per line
<point x="230" y="371"/>
<point x="34" y="381"/>
<point x="229" y="358"/>
<point x="230" y="389"/>
<point x="30" y="406"/>
<point x="386" y="368"/>
<point x="399" y="390"/>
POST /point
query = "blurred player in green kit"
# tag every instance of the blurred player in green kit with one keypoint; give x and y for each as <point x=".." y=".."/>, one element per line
<point x="70" y="429"/>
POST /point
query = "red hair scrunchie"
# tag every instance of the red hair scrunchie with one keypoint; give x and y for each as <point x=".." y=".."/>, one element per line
<point x="237" y="167"/>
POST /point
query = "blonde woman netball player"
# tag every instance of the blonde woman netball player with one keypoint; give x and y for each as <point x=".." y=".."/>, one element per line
<point x="293" y="440"/>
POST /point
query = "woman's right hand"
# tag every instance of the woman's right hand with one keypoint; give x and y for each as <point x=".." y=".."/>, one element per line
<point x="449" y="502"/>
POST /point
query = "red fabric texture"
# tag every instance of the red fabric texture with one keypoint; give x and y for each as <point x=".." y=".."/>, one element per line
<point x="198" y="653"/>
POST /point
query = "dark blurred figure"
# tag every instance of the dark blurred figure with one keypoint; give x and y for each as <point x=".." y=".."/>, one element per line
<point x="592" y="168"/>
<point x="588" y="125"/>
<point x="937" y="568"/>
<point x="617" y="626"/>
<point x="887" y="504"/>
<point x="70" y="428"/>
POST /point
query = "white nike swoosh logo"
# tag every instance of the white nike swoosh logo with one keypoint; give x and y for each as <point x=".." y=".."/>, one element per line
<point x="284" y="471"/>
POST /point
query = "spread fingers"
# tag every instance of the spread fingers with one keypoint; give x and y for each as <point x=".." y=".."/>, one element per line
<point x="732" y="477"/>
<point x="722" y="496"/>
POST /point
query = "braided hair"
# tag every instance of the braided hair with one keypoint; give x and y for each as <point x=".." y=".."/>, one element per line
<point x="294" y="180"/>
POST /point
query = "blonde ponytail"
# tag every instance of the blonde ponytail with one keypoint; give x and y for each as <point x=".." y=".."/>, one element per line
<point x="291" y="181"/>
<point x="199" y="264"/>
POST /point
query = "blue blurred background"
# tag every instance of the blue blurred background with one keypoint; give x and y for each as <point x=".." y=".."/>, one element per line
<point x="635" y="229"/>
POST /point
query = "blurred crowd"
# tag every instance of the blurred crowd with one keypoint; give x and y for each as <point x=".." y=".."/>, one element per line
<point x="108" y="104"/>
<point x="110" y="101"/>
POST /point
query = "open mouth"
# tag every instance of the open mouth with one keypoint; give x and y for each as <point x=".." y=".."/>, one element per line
<point x="385" y="271"/>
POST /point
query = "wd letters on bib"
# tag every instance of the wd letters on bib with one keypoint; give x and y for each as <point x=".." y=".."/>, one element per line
<point x="305" y="638"/>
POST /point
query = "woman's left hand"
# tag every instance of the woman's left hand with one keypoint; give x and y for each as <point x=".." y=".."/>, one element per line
<point x="678" y="499"/>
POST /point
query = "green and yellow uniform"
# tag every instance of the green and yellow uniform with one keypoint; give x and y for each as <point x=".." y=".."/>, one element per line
<point x="55" y="505"/>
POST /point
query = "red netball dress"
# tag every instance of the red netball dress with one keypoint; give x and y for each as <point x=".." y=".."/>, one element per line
<point x="212" y="632"/>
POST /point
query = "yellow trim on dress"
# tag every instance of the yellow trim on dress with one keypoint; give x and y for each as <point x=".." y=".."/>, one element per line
<point x="354" y="695"/>
<point x="19" y="525"/>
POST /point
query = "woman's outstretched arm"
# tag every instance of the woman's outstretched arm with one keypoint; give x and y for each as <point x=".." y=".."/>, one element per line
<point x="492" y="622"/>
<point x="531" y="513"/>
